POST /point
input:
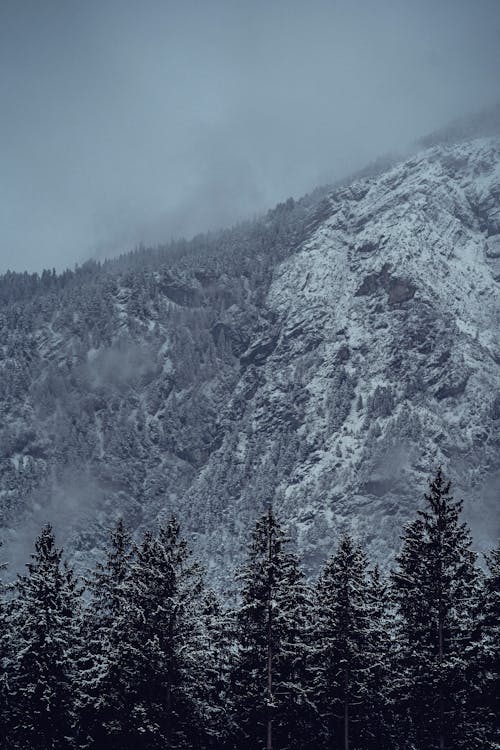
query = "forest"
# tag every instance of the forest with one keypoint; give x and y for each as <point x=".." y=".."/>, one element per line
<point x="142" y="654"/>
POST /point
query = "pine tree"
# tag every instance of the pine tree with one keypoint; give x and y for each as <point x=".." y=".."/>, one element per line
<point x="157" y="648"/>
<point x="213" y="680"/>
<point x="270" y="701"/>
<point x="435" y="593"/>
<point x="44" y="651"/>
<point x="342" y="646"/>
<point x="377" y="731"/>
<point x="4" y="663"/>
<point x="103" y="703"/>
<point x="489" y="625"/>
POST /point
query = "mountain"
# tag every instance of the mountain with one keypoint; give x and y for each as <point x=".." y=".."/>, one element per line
<point x="324" y="357"/>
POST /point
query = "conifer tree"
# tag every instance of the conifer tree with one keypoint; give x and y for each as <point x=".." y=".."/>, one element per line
<point x="435" y="592"/>
<point x="489" y="624"/>
<point x="214" y="698"/>
<point x="4" y="663"/>
<point x="268" y="680"/>
<point x="342" y="647"/>
<point x="377" y="731"/>
<point x="103" y="699"/>
<point x="44" y="651"/>
<point x="158" y="650"/>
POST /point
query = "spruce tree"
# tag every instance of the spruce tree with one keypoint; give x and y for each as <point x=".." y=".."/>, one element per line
<point x="377" y="731"/>
<point x="44" y="651"/>
<point x="435" y="586"/>
<point x="4" y="663"/>
<point x="213" y="679"/>
<point x="103" y="699"/>
<point x="342" y="647"/>
<point x="489" y="624"/>
<point x="270" y="699"/>
<point x="157" y="648"/>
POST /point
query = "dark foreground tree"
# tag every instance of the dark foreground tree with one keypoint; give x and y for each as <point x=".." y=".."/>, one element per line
<point x="4" y="663"/>
<point x="157" y="674"/>
<point x="435" y="586"/>
<point x="342" y="648"/>
<point x="269" y="681"/>
<point x="216" y="637"/>
<point x="488" y="699"/>
<point x="103" y="704"/>
<point x="377" y="731"/>
<point x="44" y="652"/>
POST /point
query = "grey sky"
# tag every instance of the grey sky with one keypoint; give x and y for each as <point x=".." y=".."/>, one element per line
<point x="128" y="121"/>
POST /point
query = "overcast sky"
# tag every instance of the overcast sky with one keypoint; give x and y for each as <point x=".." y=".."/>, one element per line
<point x="128" y="121"/>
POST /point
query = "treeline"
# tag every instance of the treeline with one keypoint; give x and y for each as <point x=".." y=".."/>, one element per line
<point x="267" y="238"/>
<point x="143" y="655"/>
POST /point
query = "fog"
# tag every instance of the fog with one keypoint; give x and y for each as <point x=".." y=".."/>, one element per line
<point x="124" y="122"/>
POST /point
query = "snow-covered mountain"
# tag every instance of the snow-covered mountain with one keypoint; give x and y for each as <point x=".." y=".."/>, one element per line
<point x="383" y="357"/>
<point x="324" y="358"/>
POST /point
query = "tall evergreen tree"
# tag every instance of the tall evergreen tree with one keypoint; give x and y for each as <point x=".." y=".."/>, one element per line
<point x="213" y="678"/>
<point x="377" y="732"/>
<point x="489" y="625"/>
<point x="4" y="663"/>
<point x="342" y="645"/>
<point x="435" y="586"/>
<point x="270" y="698"/>
<point x="44" y="651"/>
<point x="103" y="703"/>
<point x="157" y="658"/>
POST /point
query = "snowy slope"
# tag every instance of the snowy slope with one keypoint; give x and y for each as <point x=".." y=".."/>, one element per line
<point x="324" y="359"/>
<point x="389" y="338"/>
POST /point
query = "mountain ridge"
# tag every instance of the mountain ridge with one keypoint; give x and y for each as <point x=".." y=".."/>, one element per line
<point x="323" y="359"/>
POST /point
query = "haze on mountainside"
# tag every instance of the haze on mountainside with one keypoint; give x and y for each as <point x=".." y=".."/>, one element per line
<point x="322" y="358"/>
<point x="125" y="122"/>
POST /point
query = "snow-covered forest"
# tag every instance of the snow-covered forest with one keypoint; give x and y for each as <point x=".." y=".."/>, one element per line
<point x="142" y="654"/>
<point x="319" y="358"/>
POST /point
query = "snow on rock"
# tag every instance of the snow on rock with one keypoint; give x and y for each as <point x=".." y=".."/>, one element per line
<point x="324" y="358"/>
<point x="387" y="358"/>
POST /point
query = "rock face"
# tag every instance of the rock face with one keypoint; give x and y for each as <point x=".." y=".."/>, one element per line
<point x="387" y="361"/>
<point x="326" y="368"/>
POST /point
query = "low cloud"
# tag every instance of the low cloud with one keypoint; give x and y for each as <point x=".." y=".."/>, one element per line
<point x="123" y="124"/>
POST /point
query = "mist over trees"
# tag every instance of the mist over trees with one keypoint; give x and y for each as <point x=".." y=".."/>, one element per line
<point x="171" y="378"/>
<point x="142" y="654"/>
<point x="132" y="359"/>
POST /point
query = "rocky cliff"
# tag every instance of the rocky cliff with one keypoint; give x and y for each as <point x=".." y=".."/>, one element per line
<point x="324" y="358"/>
